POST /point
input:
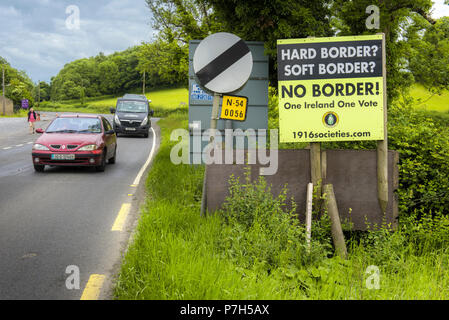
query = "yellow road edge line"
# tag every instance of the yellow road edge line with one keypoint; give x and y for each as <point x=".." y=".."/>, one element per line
<point x="93" y="287"/>
<point x="121" y="218"/>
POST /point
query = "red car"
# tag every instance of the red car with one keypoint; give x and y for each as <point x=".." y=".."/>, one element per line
<point x="75" y="140"/>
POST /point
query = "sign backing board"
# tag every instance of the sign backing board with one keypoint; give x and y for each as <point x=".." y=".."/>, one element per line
<point x="256" y="89"/>
<point x="331" y="89"/>
<point x="234" y="108"/>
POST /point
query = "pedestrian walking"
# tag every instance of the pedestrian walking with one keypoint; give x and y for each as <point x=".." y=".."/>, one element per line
<point x="32" y="117"/>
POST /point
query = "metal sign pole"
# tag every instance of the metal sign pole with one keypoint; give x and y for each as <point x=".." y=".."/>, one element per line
<point x="213" y="127"/>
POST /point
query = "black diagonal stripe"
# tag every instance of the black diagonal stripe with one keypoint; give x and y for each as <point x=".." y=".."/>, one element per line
<point x="222" y="62"/>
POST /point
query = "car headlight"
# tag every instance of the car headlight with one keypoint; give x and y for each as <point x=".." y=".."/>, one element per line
<point x="38" y="146"/>
<point x="144" y="122"/>
<point x="89" y="147"/>
<point x="116" y="119"/>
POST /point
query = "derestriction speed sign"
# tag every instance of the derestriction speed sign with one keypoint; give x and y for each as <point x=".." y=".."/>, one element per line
<point x="222" y="63"/>
<point x="331" y="89"/>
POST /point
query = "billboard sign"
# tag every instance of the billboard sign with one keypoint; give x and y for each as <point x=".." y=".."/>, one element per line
<point x="331" y="89"/>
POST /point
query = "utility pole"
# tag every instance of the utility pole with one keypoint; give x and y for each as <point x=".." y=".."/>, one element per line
<point x="143" y="87"/>
<point x="3" y="86"/>
<point x="38" y="93"/>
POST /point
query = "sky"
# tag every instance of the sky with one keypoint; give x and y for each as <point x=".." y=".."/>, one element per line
<point x="41" y="36"/>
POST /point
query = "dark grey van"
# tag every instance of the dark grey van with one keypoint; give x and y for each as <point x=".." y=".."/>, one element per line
<point x="132" y="115"/>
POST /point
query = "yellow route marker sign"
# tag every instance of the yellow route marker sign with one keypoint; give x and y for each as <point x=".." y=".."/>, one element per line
<point x="234" y="108"/>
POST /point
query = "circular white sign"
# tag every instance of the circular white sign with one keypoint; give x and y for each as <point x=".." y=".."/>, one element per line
<point x="222" y="63"/>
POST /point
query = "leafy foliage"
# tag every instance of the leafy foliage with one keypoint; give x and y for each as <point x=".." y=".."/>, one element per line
<point x="96" y="76"/>
<point x="395" y="16"/>
<point x="269" y="21"/>
<point x="429" y="58"/>
<point x="423" y="161"/>
<point x="18" y="85"/>
<point x="260" y="228"/>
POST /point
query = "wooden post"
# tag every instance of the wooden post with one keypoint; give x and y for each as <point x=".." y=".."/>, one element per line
<point x="315" y="169"/>
<point x="323" y="165"/>
<point x="382" y="145"/>
<point x="213" y="127"/>
<point x="336" y="230"/>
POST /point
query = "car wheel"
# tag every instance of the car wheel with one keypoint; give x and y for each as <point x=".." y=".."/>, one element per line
<point x="39" y="167"/>
<point x="146" y="134"/>
<point x="102" y="166"/>
<point x="112" y="160"/>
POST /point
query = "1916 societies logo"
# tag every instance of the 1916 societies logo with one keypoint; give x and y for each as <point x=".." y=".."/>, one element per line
<point x="330" y="119"/>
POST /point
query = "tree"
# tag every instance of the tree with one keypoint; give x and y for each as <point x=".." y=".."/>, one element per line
<point x="429" y="56"/>
<point x="268" y="21"/>
<point x="110" y="77"/>
<point x="165" y="59"/>
<point x="182" y="20"/>
<point x="42" y="89"/>
<point x="395" y="17"/>
<point x="19" y="84"/>
<point x="164" y="62"/>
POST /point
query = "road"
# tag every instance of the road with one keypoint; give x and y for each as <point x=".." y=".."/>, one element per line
<point x="62" y="217"/>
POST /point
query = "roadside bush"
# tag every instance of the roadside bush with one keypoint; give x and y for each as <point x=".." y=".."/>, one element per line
<point x="260" y="229"/>
<point x="423" y="147"/>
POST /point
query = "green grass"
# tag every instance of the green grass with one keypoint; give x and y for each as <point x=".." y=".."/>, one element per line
<point x="20" y="114"/>
<point x="176" y="254"/>
<point x="429" y="101"/>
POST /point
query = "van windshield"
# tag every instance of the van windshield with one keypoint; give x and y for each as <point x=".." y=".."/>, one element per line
<point x="132" y="106"/>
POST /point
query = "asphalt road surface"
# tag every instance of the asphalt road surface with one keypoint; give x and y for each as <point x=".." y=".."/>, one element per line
<point x="61" y="217"/>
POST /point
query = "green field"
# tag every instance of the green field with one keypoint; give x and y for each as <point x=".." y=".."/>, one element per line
<point x="163" y="102"/>
<point x="162" y="98"/>
<point x="426" y="100"/>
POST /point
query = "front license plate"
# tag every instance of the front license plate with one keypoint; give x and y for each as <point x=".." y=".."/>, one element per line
<point x="130" y="129"/>
<point x="62" y="157"/>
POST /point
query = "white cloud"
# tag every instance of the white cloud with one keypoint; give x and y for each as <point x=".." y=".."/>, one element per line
<point x="440" y="9"/>
<point x="34" y="37"/>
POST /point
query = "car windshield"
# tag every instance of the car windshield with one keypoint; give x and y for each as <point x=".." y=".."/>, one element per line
<point x="75" y="125"/>
<point x="132" y="106"/>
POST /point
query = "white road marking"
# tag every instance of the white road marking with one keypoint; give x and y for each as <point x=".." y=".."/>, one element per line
<point x="150" y="157"/>
<point x="17" y="145"/>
